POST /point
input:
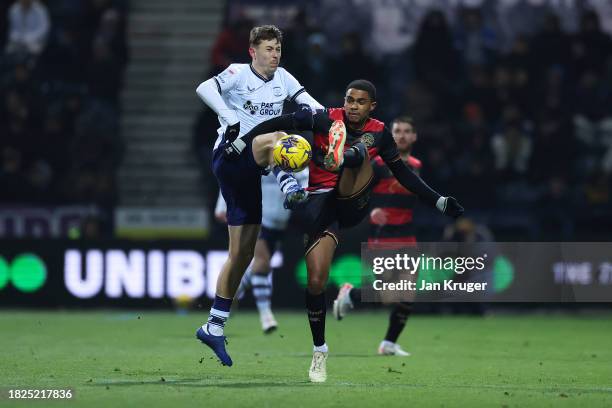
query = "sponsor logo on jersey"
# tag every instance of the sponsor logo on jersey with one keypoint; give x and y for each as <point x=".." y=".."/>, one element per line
<point x="248" y="106"/>
<point x="263" y="108"/>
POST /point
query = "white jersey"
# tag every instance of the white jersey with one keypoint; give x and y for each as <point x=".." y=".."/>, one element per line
<point x="253" y="97"/>
<point x="273" y="213"/>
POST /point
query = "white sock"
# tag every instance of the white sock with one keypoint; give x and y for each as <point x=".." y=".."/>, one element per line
<point x="322" y="349"/>
<point x="216" y="322"/>
<point x="285" y="180"/>
<point x="264" y="307"/>
<point x="262" y="292"/>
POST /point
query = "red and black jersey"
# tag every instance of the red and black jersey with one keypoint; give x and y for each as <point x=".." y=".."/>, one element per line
<point x="374" y="135"/>
<point x="397" y="203"/>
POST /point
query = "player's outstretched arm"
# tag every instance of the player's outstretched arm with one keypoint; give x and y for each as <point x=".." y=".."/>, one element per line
<point x="407" y="178"/>
<point x="304" y="98"/>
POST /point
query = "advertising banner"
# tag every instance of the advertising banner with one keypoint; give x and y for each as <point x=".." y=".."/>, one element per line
<point x="64" y="273"/>
<point x="155" y="223"/>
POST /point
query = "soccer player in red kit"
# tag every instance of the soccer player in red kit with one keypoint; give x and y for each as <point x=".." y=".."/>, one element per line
<point x="340" y="182"/>
<point x="390" y="222"/>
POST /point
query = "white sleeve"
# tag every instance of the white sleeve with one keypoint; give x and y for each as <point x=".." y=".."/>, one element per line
<point x="304" y="97"/>
<point x="294" y="88"/>
<point x="221" y="206"/>
<point x="208" y="91"/>
<point x="226" y="80"/>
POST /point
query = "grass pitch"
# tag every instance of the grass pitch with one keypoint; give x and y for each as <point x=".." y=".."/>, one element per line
<point x="151" y="359"/>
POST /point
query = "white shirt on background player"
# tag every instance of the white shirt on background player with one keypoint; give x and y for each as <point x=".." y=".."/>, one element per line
<point x="241" y="94"/>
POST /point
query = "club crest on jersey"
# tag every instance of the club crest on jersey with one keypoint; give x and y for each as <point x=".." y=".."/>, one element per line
<point x="277" y="91"/>
<point x="367" y="139"/>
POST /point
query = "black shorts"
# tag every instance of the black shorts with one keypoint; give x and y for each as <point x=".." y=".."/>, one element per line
<point x="326" y="213"/>
<point x="272" y="237"/>
<point x="240" y="184"/>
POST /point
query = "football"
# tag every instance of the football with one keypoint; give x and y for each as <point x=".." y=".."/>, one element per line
<point x="292" y="153"/>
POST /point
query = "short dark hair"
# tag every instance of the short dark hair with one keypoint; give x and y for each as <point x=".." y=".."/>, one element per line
<point x="405" y="119"/>
<point x="363" y="85"/>
<point x="264" y="33"/>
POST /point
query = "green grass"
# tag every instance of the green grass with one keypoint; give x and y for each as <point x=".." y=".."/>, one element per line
<point x="150" y="359"/>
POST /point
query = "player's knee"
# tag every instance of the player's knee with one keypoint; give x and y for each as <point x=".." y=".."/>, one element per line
<point x="258" y="144"/>
<point x="241" y="255"/>
<point x="316" y="284"/>
<point x="264" y="142"/>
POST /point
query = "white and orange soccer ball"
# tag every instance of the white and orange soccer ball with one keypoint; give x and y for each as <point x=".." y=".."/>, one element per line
<point x="292" y="153"/>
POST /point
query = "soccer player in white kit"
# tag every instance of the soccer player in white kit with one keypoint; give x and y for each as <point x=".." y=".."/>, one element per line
<point x="243" y="96"/>
<point x="275" y="217"/>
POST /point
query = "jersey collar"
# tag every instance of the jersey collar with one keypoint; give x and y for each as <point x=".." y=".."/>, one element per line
<point x="358" y="131"/>
<point x="258" y="75"/>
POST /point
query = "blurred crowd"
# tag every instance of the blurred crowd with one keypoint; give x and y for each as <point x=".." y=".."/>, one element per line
<point x="518" y="128"/>
<point x="61" y="71"/>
